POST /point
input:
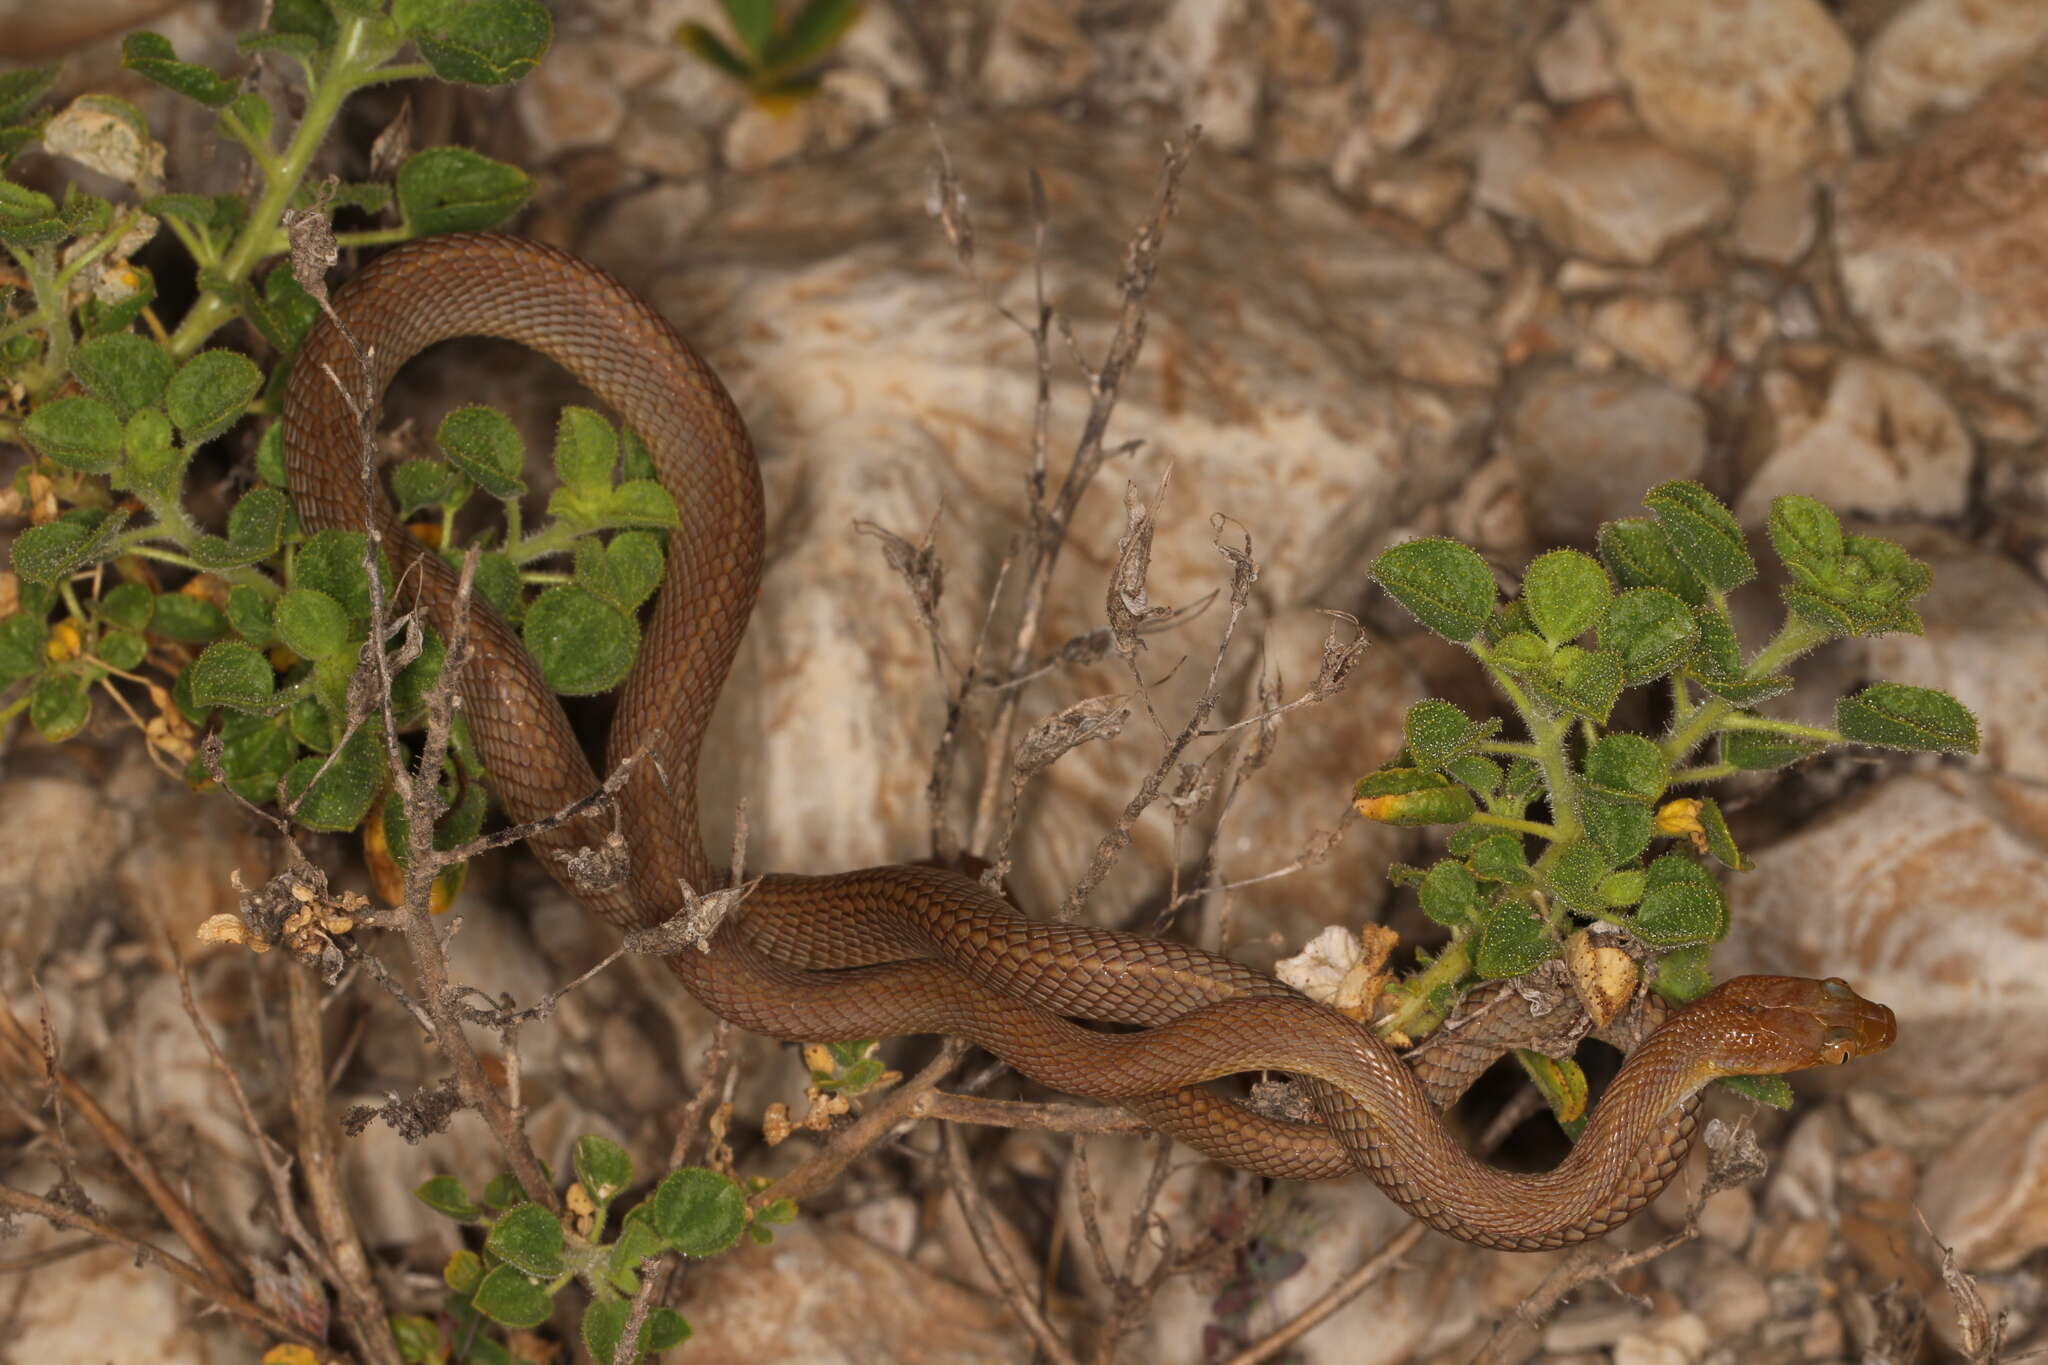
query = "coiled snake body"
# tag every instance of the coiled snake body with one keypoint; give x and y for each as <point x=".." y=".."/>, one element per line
<point x="899" y="950"/>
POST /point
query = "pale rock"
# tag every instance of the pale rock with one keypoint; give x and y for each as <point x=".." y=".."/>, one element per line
<point x="1886" y="444"/>
<point x="1805" y="1173"/>
<point x="1938" y="56"/>
<point x="1728" y="1217"/>
<point x="52" y="863"/>
<point x="832" y="1297"/>
<point x="645" y="232"/>
<point x="1453" y="356"/>
<point x="1751" y="326"/>
<point x="1923" y="1125"/>
<point x="1731" y="1301"/>
<point x="1776" y="223"/>
<point x="105" y="1303"/>
<point x="1426" y="195"/>
<point x="1590" y="1328"/>
<point x="1940" y="245"/>
<point x="658" y="138"/>
<point x="1791" y="1246"/>
<point x="1881" y="1173"/>
<point x="1622" y="198"/>
<point x="1987" y="1197"/>
<point x="175" y="872"/>
<point x="1677" y="1340"/>
<point x="1476" y="243"/>
<point x="1658" y="333"/>
<point x="879" y="42"/>
<point x="1308" y="124"/>
<point x="1406" y="69"/>
<point x="1491" y="512"/>
<point x="1924" y="893"/>
<point x="1745" y="83"/>
<point x="1212" y="68"/>
<point x="1302" y="43"/>
<point x="835" y="355"/>
<point x="1589" y="446"/>
<point x="763" y="135"/>
<point x="1036" y="52"/>
<point x="1576" y="62"/>
<point x="1986" y="644"/>
<point x="851" y="103"/>
<point x="577" y="97"/>
<point x="890" y="1222"/>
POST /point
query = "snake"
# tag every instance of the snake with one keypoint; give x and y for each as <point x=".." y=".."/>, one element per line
<point x="907" y="949"/>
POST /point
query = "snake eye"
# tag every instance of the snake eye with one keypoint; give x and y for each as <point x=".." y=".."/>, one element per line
<point x="1837" y="989"/>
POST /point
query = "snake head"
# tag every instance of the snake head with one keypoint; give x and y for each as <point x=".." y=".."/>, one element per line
<point x="1764" y="1025"/>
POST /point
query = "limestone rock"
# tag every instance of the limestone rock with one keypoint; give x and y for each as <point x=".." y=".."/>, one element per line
<point x="1622" y="198"/>
<point x="1988" y="1195"/>
<point x="1589" y="446"/>
<point x="1746" y="83"/>
<point x="1576" y="62"/>
<point x="1938" y="56"/>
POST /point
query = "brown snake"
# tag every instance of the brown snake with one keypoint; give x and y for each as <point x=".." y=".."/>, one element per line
<point x="899" y="950"/>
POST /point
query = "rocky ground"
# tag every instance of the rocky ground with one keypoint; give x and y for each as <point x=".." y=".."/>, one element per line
<point x="1486" y="268"/>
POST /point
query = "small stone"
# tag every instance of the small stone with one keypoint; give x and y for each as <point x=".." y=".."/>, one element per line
<point x="659" y="139"/>
<point x="1576" y="62"/>
<point x="1728" y="1217"/>
<point x="1803" y="1184"/>
<point x="890" y="1222"/>
<point x="1427" y="195"/>
<point x="1746" y="83"/>
<point x="1776" y="223"/>
<point x="851" y="102"/>
<point x="1794" y="1246"/>
<point x="1656" y="332"/>
<point x="1406" y="69"/>
<point x="1988" y="1196"/>
<point x="1309" y="124"/>
<point x="1825" y="1338"/>
<point x="1475" y="242"/>
<point x="1623" y="198"/>
<point x="1036" y="52"/>
<point x="577" y="97"/>
<point x="1589" y="445"/>
<point x="1731" y="1300"/>
<point x="764" y="134"/>
<point x="1302" y="44"/>
<point x="645" y="230"/>
<point x="1938" y="56"/>
<point x="1886" y="444"/>
<point x="1455" y="357"/>
<point x="1591" y="1329"/>
<point x="1881" y="1173"/>
<point x="1680" y="1339"/>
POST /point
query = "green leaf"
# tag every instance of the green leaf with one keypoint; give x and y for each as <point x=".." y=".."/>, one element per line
<point x="332" y="561"/>
<point x="641" y="503"/>
<point x="507" y="1297"/>
<point x="21" y="88"/>
<point x="1498" y="856"/>
<point x="602" y="1166"/>
<point x="312" y="624"/>
<point x="452" y="189"/>
<point x="1858" y="585"/>
<point x="604" y="1322"/>
<point x="22" y="637"/>
<point x="1774" y="1091"/>
<point x="154" y="459"/>
<point x="1439" y="732"/>
<point x="586" y="451"/>
<point x="1627" y="765"/>
<point x="102" y="317"/>
<point x="1482" y="775"/>
<point x="341" y="797"/>
<point x="634" y="561"/>
<point x="1720" y="842"/>
<point x="638" y="1242"/>
<point x="1682" y="975"/>
<point x="59" y="706"/>
<point x="122" y="369"/>
<point x="1806" y="534"/>
<point x="122" y="649"/>
<point x="582" y="643"/>
<point x="1449" y="895"/>
<point x="252" y="111"/>
<point x="1618" y="889"/>
<point x="77" y="432"/>
<point x="427" y="483"/>
<point x="1512" y="940"/>
<point x="27" y="218"/>
<point x="151" y="55"/>
<point x="1761" y="750"/>
<point x="1576" y="874"/>
<point x="1411" y="796"/>
<point x="1717" y="663"/>
<point x="497" y="582"/>
<point x="810" y="35"/>
<point x="46" y="554"/>
<point x="444" y="1194"/>
<point x="490" y="42"/>
<point x="1444" y="585"/>
<point x="1702" y="534"/>
<point x="483" y="444"/>
<point x="255" y="531"/>
<point x="707" y="47"/>
<point x="1584" y="682"/>
<point x="504" y="1191"/>
<point x="210" y="392"/>
<point x="529" y="1237"/>
<point x="1895" y="716"/>
<point x="753" y="21"/>
<point x="1652" y="630"/>
<point x="1565" y="593"/>
<point x="699" y="1211"/>
<point x="1682" y="905"/>
<point x="187" y="619"/>
<point x="230" y="673"/>
<point x="1637" y="554"/>
<point x="127" y="604"/>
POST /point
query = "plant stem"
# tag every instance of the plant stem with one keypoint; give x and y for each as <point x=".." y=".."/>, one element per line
<point x="1535" y="827"/>
<point x="347" y="71"/>
<point x="1793" y="639"/>
<point x="1415" y="1015"/>
<point x="1705" y="772"/>
<point x="1818" y="733"/>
